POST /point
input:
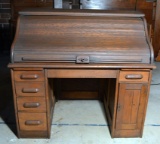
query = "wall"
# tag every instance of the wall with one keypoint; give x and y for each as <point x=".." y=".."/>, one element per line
<point x="5" y="15"/>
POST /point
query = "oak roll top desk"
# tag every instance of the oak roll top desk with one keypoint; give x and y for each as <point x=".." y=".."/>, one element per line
<point x="109" y="45"/>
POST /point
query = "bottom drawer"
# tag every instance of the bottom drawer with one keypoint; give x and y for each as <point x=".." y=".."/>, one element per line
<point x="32" y="121"/>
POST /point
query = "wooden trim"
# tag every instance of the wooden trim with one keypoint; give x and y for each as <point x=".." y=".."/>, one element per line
<point x="46" y="82"/>
<point x="146" y="103"/>
<point x="15" y="103"/>
<point x="80" y="66"/>
<point x="72" y="73"/>
<point x="82" y="12"/>
<point x="15" y="39"/>
<point x="156" y="42"/>
<point x="113" y="131"/>
<point x="148" y="41"/>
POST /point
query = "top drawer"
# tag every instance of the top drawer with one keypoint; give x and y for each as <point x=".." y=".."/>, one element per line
<point x="134" y="76"/>
<point x="28" y="75"/>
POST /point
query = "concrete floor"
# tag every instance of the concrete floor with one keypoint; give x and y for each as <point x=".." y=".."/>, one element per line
<point x="77" y="122"/>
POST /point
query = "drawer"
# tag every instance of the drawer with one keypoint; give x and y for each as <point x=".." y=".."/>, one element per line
<point x="37" y="104"/>
<point x="28" y="75"/>
<point x="134" y="76"/>
<point x="32" y="121"/>
<point x="30" y="88"/>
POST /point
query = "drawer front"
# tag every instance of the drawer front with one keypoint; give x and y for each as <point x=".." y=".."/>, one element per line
<point x="30" y="88"/>
<point x="29" y="76"/>
<point x="32" y="121"/>
<point x="134" y="76"/>
<point x="36" y="104"/>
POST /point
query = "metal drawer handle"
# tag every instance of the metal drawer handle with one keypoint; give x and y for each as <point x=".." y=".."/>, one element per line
<point x="26" y="76"/>
<point x="32" y="122"/>
<point x="134" y="76"/>
<point x="30" y="90"/>
<point x="31" y="105"/>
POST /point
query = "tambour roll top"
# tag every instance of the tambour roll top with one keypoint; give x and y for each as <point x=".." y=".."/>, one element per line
<point x="81" y="36"/>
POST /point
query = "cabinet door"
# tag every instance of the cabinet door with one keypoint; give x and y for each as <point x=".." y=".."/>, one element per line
<point x="132" y="101"/>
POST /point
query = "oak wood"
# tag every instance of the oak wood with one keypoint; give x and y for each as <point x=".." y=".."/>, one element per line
<point x="157" y="32"/>
<point x="24" y="66"/>
<point x="112" y="107"/>
<point x="32" y="121"/>
<point x="130" y="76"/>
<point x="33" y="134"/>
<point x="32" y="104"/>
<point x="30" y="89"/>
<point x="130" y="106"/>
<point x="144" y="110"/>
<point x="79" y="95"/>
<point x="127" y="133"/>
<point x="96" y="38"/>
<point x="146" y="7"/>
<point x="81" y="73"/>
<point x="110" y="97"/>
<point x="108" y="41"/>
<point x="50" y="102"/>
<point x="15" y="102"/>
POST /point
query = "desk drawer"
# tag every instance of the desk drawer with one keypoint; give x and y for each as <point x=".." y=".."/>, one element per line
<point x="29" y="76"/>
<point x="30" y="88"/>
<point x="32" y="121"/>
<point x="36" y="104"/>
<point x="134" y="76"/>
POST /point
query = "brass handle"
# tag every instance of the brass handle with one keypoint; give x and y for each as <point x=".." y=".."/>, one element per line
<point x="27" y="76"/>
<point x="31" y="105"/>
<point x="134" y="76"/>
<point x="30" y="90"/>
<point x="32" y="122"/>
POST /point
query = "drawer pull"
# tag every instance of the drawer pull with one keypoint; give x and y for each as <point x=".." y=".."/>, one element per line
<point x="134" y="76"/>
<point x="30" y="90"/>
<point x="26" y="76"/>
<point x="31" y="105"/>
<point x="32" y="122"/>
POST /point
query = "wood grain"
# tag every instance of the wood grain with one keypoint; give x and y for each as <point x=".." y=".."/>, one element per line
<point x="157" y="32"/>
<point x="96" y="39"/>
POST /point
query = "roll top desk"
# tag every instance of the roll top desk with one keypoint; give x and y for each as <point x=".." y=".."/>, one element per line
<point x="109" y="45"/>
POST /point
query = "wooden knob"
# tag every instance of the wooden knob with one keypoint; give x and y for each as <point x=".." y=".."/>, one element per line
<point x="134" y="76"/>
<point x="27" y="76"/>
<point x="30" y="90"/>
<point x="31" y="105"/>
<point x="32" y="122"/>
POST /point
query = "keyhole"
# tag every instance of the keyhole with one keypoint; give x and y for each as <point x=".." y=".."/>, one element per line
<point x="82" y="60"/>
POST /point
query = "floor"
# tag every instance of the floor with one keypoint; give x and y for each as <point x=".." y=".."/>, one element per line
<point x="77" y="122"/>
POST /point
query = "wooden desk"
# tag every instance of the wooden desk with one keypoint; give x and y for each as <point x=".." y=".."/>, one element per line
<point x="125" y="97"/>
<point x="118" y="51"/>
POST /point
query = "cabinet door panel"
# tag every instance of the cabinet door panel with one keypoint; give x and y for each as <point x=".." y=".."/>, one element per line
<point x="131" y="104"/>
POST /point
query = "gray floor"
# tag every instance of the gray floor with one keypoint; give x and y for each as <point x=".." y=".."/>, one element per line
<point x="78" y="122"/>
